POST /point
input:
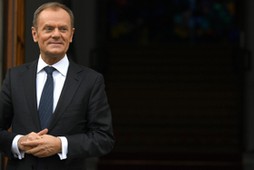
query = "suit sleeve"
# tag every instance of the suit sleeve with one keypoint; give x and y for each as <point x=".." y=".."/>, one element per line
<point x="98" y="139"/>
<point x="6" y="114"/>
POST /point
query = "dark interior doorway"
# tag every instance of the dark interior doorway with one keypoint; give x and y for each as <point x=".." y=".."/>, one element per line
<point x="174" y="78"/>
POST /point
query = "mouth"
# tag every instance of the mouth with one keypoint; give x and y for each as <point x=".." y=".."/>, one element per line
<point x="55" y="43"/>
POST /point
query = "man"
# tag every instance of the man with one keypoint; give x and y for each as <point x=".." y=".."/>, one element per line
<point x="79" y="125"/>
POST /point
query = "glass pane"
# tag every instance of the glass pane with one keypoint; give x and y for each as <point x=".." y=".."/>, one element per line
<point x="172" y="21"/>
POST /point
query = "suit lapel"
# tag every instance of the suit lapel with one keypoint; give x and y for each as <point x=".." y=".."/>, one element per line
<point x="72" y="82"/>
<point x="29" y="84"/>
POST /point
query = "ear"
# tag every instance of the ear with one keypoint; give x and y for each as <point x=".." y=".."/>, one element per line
<point x="34" y="34"/>
<point x="72" y="33"/>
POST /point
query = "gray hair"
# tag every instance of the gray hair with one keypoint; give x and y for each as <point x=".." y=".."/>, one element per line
<point x="52" y="5"/>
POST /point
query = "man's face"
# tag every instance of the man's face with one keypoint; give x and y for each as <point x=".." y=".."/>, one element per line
<point x="53" y="33"/>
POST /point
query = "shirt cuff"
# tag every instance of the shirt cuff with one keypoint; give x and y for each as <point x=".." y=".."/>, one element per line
<point x="64" y="143"/>
<point x="15" y="149"/>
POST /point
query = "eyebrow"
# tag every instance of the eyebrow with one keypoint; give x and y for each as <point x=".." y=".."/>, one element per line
<point x="49" y="25"/>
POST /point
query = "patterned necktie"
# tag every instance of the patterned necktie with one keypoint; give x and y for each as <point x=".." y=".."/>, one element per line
<point x="46" y="101"/>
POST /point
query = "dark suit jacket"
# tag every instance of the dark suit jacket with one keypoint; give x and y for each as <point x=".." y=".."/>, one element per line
<point x="82" y="115"/>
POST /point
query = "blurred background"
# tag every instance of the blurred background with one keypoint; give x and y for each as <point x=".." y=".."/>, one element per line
<point x="179" y="76"/>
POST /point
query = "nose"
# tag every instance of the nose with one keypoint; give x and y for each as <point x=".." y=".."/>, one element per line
<point x="56" y="33"/>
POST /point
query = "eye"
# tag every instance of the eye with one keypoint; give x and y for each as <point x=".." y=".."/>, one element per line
<point x="63" y="29"/>
<point x="48" y="29"/>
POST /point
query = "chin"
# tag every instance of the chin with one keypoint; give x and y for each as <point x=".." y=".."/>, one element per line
<point x="55" y="55"/>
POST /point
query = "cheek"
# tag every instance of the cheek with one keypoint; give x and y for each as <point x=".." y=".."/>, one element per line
<point x="70" y="37"/>
<point x="43" y="39"/>
<point x="42" y="43"/>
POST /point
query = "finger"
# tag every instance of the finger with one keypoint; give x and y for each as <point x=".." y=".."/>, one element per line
<point x="41" y="154"/>
<point x="33" y="150"/>
<point x="38" y="152"/>
<point x="43" y="132"/>
<point x="32" y="143"/>
<point x="26" y="148"/>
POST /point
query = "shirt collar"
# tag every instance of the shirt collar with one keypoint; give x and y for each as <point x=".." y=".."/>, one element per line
<point x="61" y="66"/>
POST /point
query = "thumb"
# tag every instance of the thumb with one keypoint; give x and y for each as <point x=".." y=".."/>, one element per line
<point x="43" y="132"/>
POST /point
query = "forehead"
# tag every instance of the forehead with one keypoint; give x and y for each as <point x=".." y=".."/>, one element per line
<point x="54" y="16"/>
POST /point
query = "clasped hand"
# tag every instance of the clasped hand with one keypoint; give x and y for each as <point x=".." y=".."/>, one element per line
<point x="40" y="144"/>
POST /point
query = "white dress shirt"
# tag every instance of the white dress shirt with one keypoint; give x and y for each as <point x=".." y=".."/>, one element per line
<point x="59" y="77"/>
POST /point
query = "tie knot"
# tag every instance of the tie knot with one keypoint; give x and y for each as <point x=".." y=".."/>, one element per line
<point x="49" y="70"/>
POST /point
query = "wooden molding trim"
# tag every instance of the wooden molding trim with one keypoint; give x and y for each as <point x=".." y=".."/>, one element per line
<point x="15" y="33"/>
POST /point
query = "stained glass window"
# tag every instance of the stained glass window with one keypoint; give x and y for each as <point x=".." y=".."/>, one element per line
<point x="172" y="21"/>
